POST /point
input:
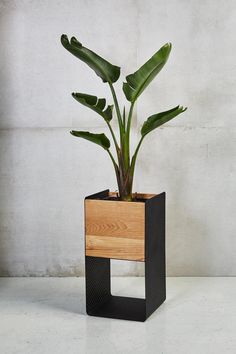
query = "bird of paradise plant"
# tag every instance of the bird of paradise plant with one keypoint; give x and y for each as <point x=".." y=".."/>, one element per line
<point x="135" y="84"/>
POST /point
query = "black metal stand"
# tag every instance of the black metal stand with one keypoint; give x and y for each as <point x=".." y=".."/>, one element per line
<point x="99" y="300"/>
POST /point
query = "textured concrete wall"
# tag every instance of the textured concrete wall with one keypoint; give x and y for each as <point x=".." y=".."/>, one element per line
<point x="45" y="173"/>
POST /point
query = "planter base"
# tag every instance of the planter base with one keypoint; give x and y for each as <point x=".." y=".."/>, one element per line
<point x="99" y="300"/>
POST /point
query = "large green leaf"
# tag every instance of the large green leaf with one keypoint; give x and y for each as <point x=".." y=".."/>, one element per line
<point x="96" y="104"/>
<point x="105" y="70"/>
<point x="99" y="139"/>
<point x="156" y="120"/>
<point x="138" y="81"/>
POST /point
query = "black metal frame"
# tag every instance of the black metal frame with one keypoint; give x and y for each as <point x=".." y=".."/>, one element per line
<point x="99" y="300"/>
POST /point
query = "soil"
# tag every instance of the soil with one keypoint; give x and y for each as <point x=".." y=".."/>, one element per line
<point x="118" y="199"/>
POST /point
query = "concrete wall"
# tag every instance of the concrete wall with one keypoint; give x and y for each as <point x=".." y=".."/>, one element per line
<point x="46" y="173"/>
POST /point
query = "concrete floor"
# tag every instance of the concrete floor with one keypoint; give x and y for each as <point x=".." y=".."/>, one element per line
<point x="47" y="315"/>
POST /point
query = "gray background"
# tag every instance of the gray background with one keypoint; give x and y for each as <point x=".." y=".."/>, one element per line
<point x="46" y="173"/>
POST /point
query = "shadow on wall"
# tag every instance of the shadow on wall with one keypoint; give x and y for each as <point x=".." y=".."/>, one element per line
<point x="189" y="246"/>
<point x="200" y="198"/>
<point x="185" y="172"/>
<point x="5" y="112"/>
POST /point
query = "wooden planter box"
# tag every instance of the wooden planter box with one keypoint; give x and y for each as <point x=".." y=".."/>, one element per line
<point x="127" y="231"/>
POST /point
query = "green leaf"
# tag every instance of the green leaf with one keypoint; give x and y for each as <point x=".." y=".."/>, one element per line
<point x="94" y="103"/>
<point x="138" y="81"/>
<point x="156" y="120"/>
<point x="99" y="139"/>
<point x="105" y="70"/>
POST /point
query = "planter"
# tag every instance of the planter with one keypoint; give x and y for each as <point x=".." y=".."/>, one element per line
<point x="127" y="231"/>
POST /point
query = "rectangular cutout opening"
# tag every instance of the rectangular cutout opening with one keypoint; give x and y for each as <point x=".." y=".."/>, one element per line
<point x="127" y="278"/>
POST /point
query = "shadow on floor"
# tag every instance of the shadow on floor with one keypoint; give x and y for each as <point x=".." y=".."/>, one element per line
<point x="66" y="294"/>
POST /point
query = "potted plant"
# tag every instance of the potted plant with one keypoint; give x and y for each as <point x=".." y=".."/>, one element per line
<point x="123" y="225"/>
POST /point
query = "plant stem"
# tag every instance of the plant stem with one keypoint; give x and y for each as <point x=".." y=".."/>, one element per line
<point x="130" y="116"/>
<point x="112" y="159"/>
<point x="117" y="107"/>
<point x="124" y="172"/>
<point x="116" y="169"/>
<point x="124" y="123"/>
<point x="127" y="138"/>
<point x="120" y="152"/>
<point x="133" y="161"/>
<point x="127" y="185"/>
<point x="114" y="138"/>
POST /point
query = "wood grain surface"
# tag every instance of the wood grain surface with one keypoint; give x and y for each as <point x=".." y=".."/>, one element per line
<point x="115" y="229"/>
